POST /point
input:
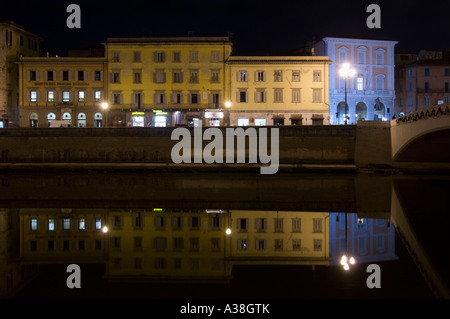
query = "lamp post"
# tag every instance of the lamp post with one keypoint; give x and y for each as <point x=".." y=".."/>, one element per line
<point x="345" y="259"/>
<point x="346" y="72"/>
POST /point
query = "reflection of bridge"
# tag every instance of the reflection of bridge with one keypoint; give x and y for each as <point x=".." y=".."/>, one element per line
<point x="415" y="141"/>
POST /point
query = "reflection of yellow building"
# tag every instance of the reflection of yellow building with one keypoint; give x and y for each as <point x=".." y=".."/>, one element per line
<point x="278" y="90"/>
<point x="167" y="81"/>
<point x="167" y="245"/>
<point x="69" y="89"/>
<point x="62" y="235"/>
<point x="270" y="237"/>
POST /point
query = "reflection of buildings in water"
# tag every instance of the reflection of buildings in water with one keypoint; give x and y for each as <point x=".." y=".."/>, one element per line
<point x="279" y="237"/>
<point x="13" y="275"/>
<point x="368" y="239"/>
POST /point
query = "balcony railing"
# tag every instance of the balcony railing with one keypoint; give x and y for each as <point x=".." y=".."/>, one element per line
<point x="364" y="92"/>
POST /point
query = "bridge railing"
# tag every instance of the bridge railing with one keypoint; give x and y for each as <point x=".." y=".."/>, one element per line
<point x="432" y="111"/>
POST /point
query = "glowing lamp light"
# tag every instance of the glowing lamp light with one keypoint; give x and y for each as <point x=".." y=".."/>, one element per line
<point x="351" y="261"/>
<point x="104" y="105"/>
<point x="105" y="229"/>
<point x="228" y="231"/>
<point x="343" y="260"/>
<point x="346" y="267"/>
<point x="227" y="104"/>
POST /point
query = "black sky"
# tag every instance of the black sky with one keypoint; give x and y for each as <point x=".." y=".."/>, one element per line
<point x="257" y="27"/>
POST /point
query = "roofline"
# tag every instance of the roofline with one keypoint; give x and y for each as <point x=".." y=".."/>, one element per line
<point x="278" y="59"/>
<point x="62" y="59"/>
<point x="12" y="24"/>
<point x="359" y="39"/>
<point x="166" y="40"/>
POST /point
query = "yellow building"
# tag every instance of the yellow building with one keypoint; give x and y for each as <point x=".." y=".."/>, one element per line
<point x="15" y="41"/>
<point x="62" y="89"/>
<point x="279" y="237"/>
<point x="278" y="90"/>
<point x="167" y="81"/>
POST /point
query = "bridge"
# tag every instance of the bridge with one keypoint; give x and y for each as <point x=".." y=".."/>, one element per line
<point x="422" y="136"/>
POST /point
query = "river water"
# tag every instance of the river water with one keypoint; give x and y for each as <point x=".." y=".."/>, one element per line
<point x="167" y="235"/>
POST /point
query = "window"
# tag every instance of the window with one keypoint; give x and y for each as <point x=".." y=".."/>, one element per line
<point x="278" y="245"/>
<point x="177" y="98"/>
<point x="33" y="245"/>
<point x="34" y="224"/>
<point x="51" y="96"/>
<point x="82" y="224"/>
<point x="242" y="224"/>
<point x="260" y="76"/>
<point x="447" y="72"/>
<point x="116" y="56"/>
<point x="260" y="224"/>
<point x="33" y="96"/>
<point x="194" y="98"/>
<point x="296" y="244"/>
<point x="178" y="243"/>
<point x="317" y="225"/>
<point x="194" y="56"/>
<point x="115" y="243"/>
<point x="50" y="76"/>
<point x="160" y="263"/>
<point x="317" y="95"/>
<point x="195" y="222"/>
<point x="380" y="57"/>
<point x="278" y="95"/>
<point x="176" y="56"/>
<point x="296" y="76"/>
<point x="409" y="86"/>
<point x="80" y="75"/>
<point x="260" y="96"/>
<point x="296" y="225"/>
<point x="66" y="96"/>
<point x="194" y="76"/>
<point x="426" y="72"/>
<point x="177" y="263"/>
<point x="410" y="101"/>
<point x="343" y="54"/>
<point x="317" y="76"/>
<point x="65" y="76"/>
<point x="159" y="76"/>
<point x="160" y="243"/>
<point x="137" y="56"/>
<point x="33" y="75"/>
<point x="242" y="244"/>
<point x="115" y="77"/>
<point x="160" y="221"/>
<point x="242" y="76"/>
<point x="427" y="100"/>
<point x="98" y="96"/>
<point x="278" y="76"/>
<point x="362" y="55"/>
<point x="242" y="96"/>
<point x="177" y="77"/>
<point x="81" y="96"/>
<point x="278" y="222"/>
<point x="81" y="244"/>
<point x="215" y="244"/>
<point x="243" y="121"/>
<point x="215" y="221"/>
<point x="160" y="56"/>
<point x="137" y="243"/>
<point x="380" y="243"/>
<point x="194" y="243"/>
<point x="137" y="77"/>
<point x="380" y="83"/>
<point x="215" y="56"/>
<point x="97" y="75"/>
<point x="360" y="83"/>
<point x="66" y="245"/>
<point x="215" y="76"/>
<point x="296" y="95"/>
<point x="317" y="244"/>
<point x="260" y="122"/>
<point x="117" y="222"/>
<point x="137" y="263"/>
<point x="446" y="87"/>
<point x="66" y="223"/>
<point x="51" y="224"/>
<point x="51" y="245"/>
<point x="260" y="244"/>
<point x="98" y="223"/>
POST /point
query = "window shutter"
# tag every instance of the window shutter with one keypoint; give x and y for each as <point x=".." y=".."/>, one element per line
<point x="54" y="75"/>
<point x="164" y="99"/>
<point x="38" y="96"/>
<point x="45" y="75"/>
<point x="37" y="75"/>
<point x="93" y="75"/>
<point x="71" y="96"/>
<point x="238" y="98"/>
<point x="101" y="75"/>
<point x="112" y="99"/>
<point x="142" y="99"/>
<point x="28" y="96"/>
<point x="164" y="77"/>
<point x="190" y="98"/>
<point x="59" y="97"/>
<point x="28" y="75"/>
<point x="210" y="99"/>
<point x="155" y="98"/>
<point x="256" y="97"/>
<point x="121" y="98"/>
<point x="61" y="75"/>
<point x="265" y="96"/>
<point x="111" y="77"/>
<point x="84" y="76"/>
<point x="173" y="98"/>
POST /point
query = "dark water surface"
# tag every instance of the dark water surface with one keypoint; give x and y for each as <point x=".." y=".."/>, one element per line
<point x="167" y="236"/>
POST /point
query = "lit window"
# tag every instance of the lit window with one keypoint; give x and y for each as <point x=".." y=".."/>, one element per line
<point x="34" y="224"/>
<point x="98" y="223"/>
<point x="243" y="122"/>
<point x="98" y="96"/>
<point x="66" y="223"/>
<point x="243" y="244"/>
<point x="81" y="96"/>
<point x="51" y="224"/>
<point x="51" y="96"/>
<point x="66" y="96"/>
<point x="260" y="122"/>
<point x="360" y="83"/>
<point x="242" y="76"/>
<point x="33" y="96"/>
<point x="82" y="224"/>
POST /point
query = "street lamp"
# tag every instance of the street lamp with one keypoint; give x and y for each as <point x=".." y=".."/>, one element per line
<point x="345" y="259"/>
<point x="346" y="72"/>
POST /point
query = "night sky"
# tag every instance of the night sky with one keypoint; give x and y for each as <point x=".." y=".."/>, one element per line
<point x="257" y="27"/>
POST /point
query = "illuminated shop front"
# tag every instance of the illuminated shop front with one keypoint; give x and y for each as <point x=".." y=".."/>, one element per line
<point x="214" y="117"/>
<point x="138" y="119"/>
<point x="160" y="119"/>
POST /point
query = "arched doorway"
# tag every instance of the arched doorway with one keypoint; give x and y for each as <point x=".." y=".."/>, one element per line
<point x="340" y="113"/>
<point x="98" y="119"/>
<point x="81" y="120"/>
<point x="33" y="120"/>
<point x="50" y="117"/>
<point x="361" y="111"/>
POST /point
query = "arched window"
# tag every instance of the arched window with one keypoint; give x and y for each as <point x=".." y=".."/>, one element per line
<point x="361" y="56"/>
<point x="343" y="54"/>
<point x="380" y="82"/>
<point x="67" y="117"/>
<point x="380" y="56"/>
<point x="81" y="120"/>
<point x="361" y="111"/>
<point x="50" y="117"/>
<point x="33" y="120"/>
<point x="98" y="119"/>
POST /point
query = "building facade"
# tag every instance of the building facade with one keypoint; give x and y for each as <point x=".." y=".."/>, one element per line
<point x="15" y="41"/>
<point x="163" y="82"/>
<point x="371" y="92"/>
<point x="278" y="90"/>
<point x="62" y="89"/>
<point x="423" y="82"/>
